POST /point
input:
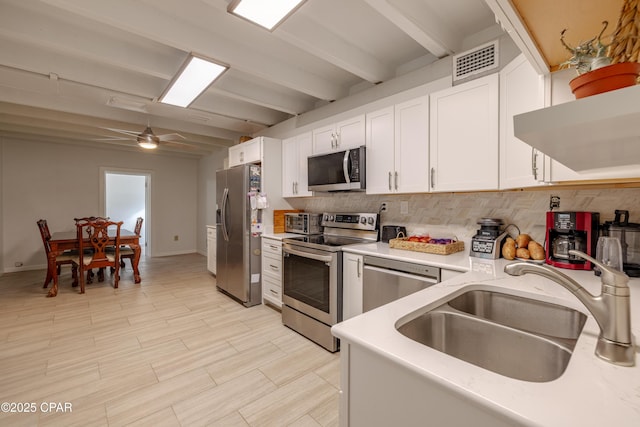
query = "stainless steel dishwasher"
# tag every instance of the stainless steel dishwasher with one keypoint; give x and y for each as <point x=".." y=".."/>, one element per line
<point x="385" y="280"/>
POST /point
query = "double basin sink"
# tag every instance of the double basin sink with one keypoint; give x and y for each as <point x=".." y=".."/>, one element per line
<point x="518" y="337"/>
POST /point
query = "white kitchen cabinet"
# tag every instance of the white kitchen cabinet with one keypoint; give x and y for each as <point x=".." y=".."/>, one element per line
<point x="522" y="90"/>
<point x="339" y="136"/>
<point x="463" y="142"/>
<point x="295" y="151"/>
<point x="211" y="248"/>
<point x="246" y="152"/>
<point x="398" y="148"/>
<point x="352" y="265"/>
<point x="272" y="271"/>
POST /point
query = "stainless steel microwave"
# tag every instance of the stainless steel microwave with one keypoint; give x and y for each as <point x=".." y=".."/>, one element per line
<point x="338" y="171"/>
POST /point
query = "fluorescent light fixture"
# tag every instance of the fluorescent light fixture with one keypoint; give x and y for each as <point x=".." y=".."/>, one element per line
<point x="266" y="13"/>
<point x="195" y="76"/>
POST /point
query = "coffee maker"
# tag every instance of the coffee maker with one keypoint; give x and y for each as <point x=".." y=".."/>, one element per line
<point x="571" y="230"/>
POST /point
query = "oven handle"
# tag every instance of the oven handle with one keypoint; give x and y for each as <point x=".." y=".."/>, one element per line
<point x="325" y="258"/>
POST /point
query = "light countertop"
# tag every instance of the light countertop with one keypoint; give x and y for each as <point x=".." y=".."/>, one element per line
<point x="590" y="392"/>
<point x="458" y="261"/>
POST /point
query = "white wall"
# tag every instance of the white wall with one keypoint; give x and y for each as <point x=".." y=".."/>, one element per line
<point x="1" y="210"/>
<point x="58" y="182"/>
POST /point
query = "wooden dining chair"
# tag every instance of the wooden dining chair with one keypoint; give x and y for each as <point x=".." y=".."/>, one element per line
<point x="90" y="273"/>
<point x="126" y="251"/>
<point x="99" y="254"/>
<point x="64" y="258"/>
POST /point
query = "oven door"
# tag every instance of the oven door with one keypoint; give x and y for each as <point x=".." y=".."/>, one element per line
<point x="311" y="282"/>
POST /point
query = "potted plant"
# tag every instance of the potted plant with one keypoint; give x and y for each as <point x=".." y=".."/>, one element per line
<point x="604" y="67"/>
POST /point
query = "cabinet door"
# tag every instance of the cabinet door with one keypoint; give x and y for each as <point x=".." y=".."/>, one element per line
<point x="464" y="136"/>
<point x="305" y="147"/>
<point x="351" y="285"/>
<point x="412" y="146"/>
<point x="351" y="133"/>
<point x="289" y="166"/>
<point x="521" y="91"/>
<point x="324" y="139"/>
<point x="211" y="249"/>
<point x="380" y="151"/>
<point x="247" y="152"/>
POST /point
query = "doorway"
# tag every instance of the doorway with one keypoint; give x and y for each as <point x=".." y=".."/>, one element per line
<point x="126" y="197"/>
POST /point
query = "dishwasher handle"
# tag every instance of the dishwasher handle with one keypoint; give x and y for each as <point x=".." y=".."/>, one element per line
<point x="427" y="279"/>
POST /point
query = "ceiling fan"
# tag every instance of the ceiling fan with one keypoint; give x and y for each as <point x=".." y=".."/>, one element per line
<point x="147" y="139"/>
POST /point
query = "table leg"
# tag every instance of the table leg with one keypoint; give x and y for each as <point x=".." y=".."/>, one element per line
<point x="53" y="271"/>
<point x="136" y="258"/>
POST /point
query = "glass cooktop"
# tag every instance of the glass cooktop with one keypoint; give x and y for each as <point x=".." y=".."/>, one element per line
<point x="323" y="241"/>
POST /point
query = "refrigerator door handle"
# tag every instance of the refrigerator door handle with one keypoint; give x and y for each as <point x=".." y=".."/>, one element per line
<point x="223" y="216"/>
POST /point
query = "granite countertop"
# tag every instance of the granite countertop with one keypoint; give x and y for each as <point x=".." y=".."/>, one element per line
<point x="590" y="392"/>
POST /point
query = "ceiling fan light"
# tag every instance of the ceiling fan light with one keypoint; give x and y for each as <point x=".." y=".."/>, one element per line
<point x="148" y="140"/>
<point x="195" y="76"/>
<point x="267" y="14"/>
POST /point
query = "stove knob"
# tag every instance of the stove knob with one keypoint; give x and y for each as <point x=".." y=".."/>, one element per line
<point x="326" y="217"/>
<point x="331" y="217"/>
<point x="370" y="220"/>
<point x="363" y="220"/>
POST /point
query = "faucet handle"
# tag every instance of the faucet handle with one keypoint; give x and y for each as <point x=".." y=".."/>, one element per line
<point x="609" y="276"/>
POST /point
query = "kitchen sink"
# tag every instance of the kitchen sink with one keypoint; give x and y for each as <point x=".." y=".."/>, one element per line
<point x="518" y="337"/>
<point x="526" y="314"/>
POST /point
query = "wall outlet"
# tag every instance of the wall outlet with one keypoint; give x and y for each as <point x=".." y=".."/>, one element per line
<point x="176" y="238"/>
<point x="404" y="208"/>
<point x="554" y="202"/>
<point x="18" y="264"/>
<point x="383" y="207"/>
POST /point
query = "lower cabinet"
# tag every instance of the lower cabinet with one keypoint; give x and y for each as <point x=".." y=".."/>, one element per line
<point x="272" y="271"/>
<point x="351" y="285"/>
<point x="211" y="249"/>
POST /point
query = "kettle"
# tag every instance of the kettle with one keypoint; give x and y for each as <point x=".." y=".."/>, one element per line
<point x="392" y="231"/>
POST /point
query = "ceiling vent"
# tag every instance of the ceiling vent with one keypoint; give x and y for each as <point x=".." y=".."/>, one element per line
<point x="476" y="61"/>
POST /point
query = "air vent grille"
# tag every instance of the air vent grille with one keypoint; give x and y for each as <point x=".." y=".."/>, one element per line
<point x="475" y="61"/>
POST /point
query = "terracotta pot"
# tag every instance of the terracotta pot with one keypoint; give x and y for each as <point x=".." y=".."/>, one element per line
<point x="604" y="79"/>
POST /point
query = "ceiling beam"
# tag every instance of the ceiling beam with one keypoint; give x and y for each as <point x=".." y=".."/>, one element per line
<point x="303" y="31"/>
<point x="148" y="21"/>
<point x="421" y="23"/>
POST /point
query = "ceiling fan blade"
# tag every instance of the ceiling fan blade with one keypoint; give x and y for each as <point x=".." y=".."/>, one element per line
<point x="113" y="138"/>
<point x="170" y="136"/>
<point x="123" y="131"/>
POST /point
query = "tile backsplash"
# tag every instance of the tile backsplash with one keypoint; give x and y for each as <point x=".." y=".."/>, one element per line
<point x="458" y="213"/>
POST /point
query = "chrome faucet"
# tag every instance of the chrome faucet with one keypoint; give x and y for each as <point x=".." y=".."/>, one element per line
<point x="611" y="308"/>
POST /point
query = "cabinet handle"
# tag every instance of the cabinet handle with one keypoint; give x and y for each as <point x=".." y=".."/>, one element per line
<point x="293" y="188"/>
<point x="395" y="180"/>
<point x="534" y="164"/>
<point x="433" y="177"/>
<point x="242" y="156"/>
<point x="274" y="267"/>
<point x="358" y="268"/>
<point x="389" y="180"/>
<point x="273" y="292"/>
<point x="333" y="140"/>
<point x="274" y="247"/>
<point x="337" y="139"/>
<point x="296" y="187"/>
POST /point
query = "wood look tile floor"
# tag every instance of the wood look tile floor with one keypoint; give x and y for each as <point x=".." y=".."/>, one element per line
<point x="170" y="351"/>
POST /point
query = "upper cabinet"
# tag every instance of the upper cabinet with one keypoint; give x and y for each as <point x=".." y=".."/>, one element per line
<point x="295" y="151"/>
<point x="398" y="148"/>
<point x="339" y="136"/>
<point x="522" y="89"/>
<point x="246" y="152"/>
<point x="464" y="136"/>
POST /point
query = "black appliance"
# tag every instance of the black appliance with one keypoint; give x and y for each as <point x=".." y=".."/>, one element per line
<point x="391" y="232"/>
<point x="337" y="171"/>
<point x="629" y="235"/>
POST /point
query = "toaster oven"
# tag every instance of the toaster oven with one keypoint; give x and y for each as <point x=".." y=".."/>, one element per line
<point x="302" y="223"/>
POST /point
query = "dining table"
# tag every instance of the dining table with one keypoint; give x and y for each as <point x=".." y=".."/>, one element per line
<point x="68" y="240"/>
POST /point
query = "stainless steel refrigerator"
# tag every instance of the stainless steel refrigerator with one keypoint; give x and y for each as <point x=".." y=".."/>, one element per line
<point x="238" y="246"/>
